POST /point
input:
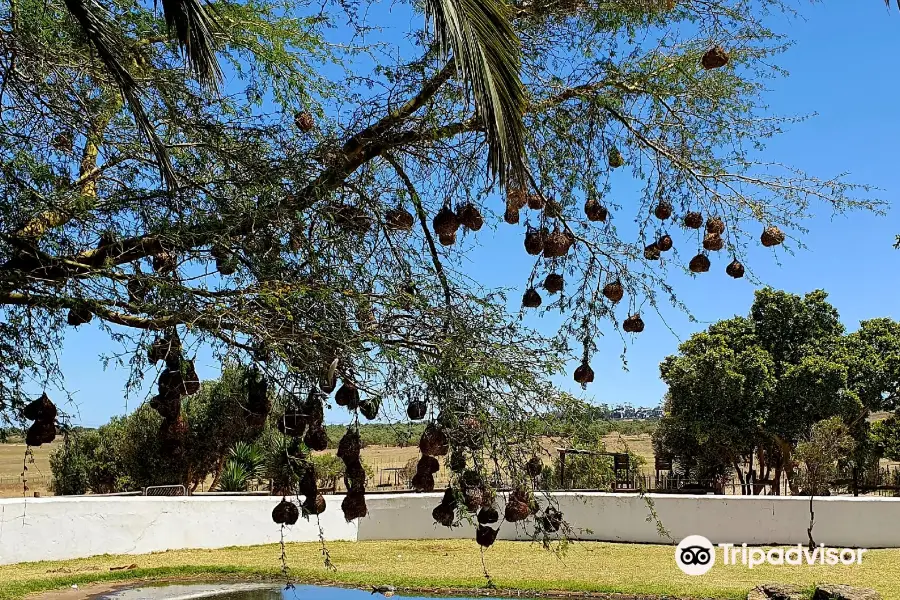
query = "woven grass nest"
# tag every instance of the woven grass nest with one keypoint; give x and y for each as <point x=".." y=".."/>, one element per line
<point x="651" y="251"/>
<point x="534" y="467"/>
<point x="714" y="58"/>
<point x="164" y="263"/>
<point x="308" y="485"/>
<point x="354" y="506"/>
<point x="164" y="347"/>
<point x="447" y="239"/>
<point x="693" y="220"/>
<point x="40" y="432"/>
<point x="516" y="511"/>
<point x="699" y="264"/>
<point x="167" y="407"/>
<point x="633" y="324"/>
<point x="615" y="158"/>
<point x="445" y="221"/>
<point x="444" y="514"/>
<point x="473" y="497"/>
<point x="313" y="407"/>
<point x="713" y="242"/>
<point x="557" y="244"/>
<point x="422" y="482"/>
<point x="663" y="210"/>
<point x="416" y="410"/>
<point x="352" y="218"/>
<point x="584" y="374"/>
<point x="41" y="409"/>
<point x="664" y="243"/>
<point x="614" y="291"/>
<point x="79" y="316"/>
<point x="511" y="216"/>
<point x="485" y="536"/>
<point x="771" y="236"/>
<point x="349" y="446"/>
<point x="347" y="396"/>
<point x="516" y="199"/>
<point x="370" y="407"/>
<point x="488" y="515"/>
<point x="535" y="201"/>
<point x="551" y="520"/>
<point x="428" y="464"/>
<point x="457" y="462"/>
<point x="534" y="240"/>
<point x="735" y="269"/>
<point x="554" y="283"/>
<point x="285" y="513"/>
<point x="399" y="219"/>
<point x="715" y="225"/>
<point x="595" y="211"/>
<point x="354" y="476"/>
<point x="304" y="121"/>
<point x="434" y="441"/>
<point x="531" y="298"/>
<point x="470" y="217"/>
<point x="314" y="505"/>
<point x="316" y="438"/>
<point x="328" y="381"/>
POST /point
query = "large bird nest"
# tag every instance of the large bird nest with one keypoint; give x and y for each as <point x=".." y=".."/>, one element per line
<point x="285" y="513"/>
<point x="416" y="410"/>
<point x="354" y="506"/>
<point x="434" y="441"/>
<point x="347" y="396"/>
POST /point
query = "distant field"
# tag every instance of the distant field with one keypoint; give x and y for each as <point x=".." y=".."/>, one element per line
<point x="11" y="462"/>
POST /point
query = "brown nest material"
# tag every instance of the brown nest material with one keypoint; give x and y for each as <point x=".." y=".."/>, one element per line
<point x="428" y="464"/>
<point x="316" y="438"/>
<point x="516" y="198"/>
<point x="347" y="395"/>
<point x="713" y="242"/>
<point x="595" y="211"/>
<point x="434" y="441"/>
<point x="79" y="316"/>
<point x="534" y="467"/>
<point x="551" y="520"/>
<point x="473" y="498"/>
<point x="447" y="239"/>
<point x="355" y="476"/>
<point x="167" y="407"/>
<point x="614" y="291"/>
<point x="511" y="216"/>
<point x="715" y="225"/>
<point x="41" y="409"/>
<point x="164" y="347"/>
<point x="664" y="242"/>
<point x="165" y="262"/>
<point x="191" y="379"/>
<point x="352" y="218"/>
<point x="699" y="264"/>
<point x="63" y="142"/>
<point x="313" y="407"/>
<point x="398" y="219"/>
<point x="693" y="220"/>
<point x="444" y="514"/>
<point x="370" y="407"/>
<point x="633" y="324"/>
<point x="553" y="209"/>
<point x="445" y="222"/>
<point x="516" y="511"/>
<point x="227" y="266"/>
<point x="354" y="506"/>
<point x="315" y="505"/>
<point x="308" y="485"/>
<point x="714" y="58"/>
<point x="470" y="217"/>
<point x="349" y="446"/>
<point x="285" y="512"/>
<point x="535" y="202"/>
<point x="615" y="158"/>
<point x="328" y="381"/>
<point x="422" y="482"/>
<point x="735" y="269"/>
<point x="457" y="462"/>
<point x="554" y="283"/>
<point x="41" y="432"/>
<point x="485" y="536"/>
<point x="651" y="251"/>
<point x="534" y="241"/>
<point x="304" y="122"/>
<point x="449" y="498"/>
<point x="488" y="515"/>
<point x="584" y="374"/>
<point x="531" y="298"/>
<point x="663" y="210"/>
<point x="137" y="290"/>
<point x="771" y="236"/>
<point x="416" y="410"/>
<point x="557" y="244"/>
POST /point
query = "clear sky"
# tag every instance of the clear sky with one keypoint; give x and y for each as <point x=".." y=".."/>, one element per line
<point x="844" y="67"/>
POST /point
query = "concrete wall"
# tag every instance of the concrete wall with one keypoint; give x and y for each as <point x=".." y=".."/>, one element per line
<point x="60" y="528"/>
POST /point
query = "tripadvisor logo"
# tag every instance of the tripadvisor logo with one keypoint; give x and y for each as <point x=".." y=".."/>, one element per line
<point x="696" y="555"/>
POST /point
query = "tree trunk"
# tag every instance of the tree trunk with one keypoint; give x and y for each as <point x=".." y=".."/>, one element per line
<point x="218" y="473"/>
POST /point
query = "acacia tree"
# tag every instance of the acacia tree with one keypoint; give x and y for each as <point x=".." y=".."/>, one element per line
<point x="310" y="219"/>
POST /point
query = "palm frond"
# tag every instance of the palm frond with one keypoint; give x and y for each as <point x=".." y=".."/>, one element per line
<point x="488" y="54"/>
<point x="193" y="28"/>
<point x="95" y="24"/>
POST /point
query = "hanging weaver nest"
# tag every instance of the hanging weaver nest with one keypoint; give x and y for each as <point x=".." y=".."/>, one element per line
<point x="699" y="264"/>
<point x="137" y="290"/>
<point x="557" y="244"/>
<point x="664" y="243"/>
<point x="535" y="201"/>
<point x="470" y="217"/>
<point x="511" y="216"/>
<point x="614" y="291"/>
<point x="595" y="211"/>
<point x="713" y="242"/>
<point x="165" y="262"/>
<point x="444" y="514"/>
<point x="551" y="520"/>
<point x="304" y="121"/>
<point x="584" y="374"/>
<point x="488" y="515"/>
<point x="422" y="482"/>
<point x="553" y="209"/>
<point x="534" y="240"/>
<point x="554" y="283"/>
<point x="615" y="158"/>
<point x="428" y="464"/>
<point x="316" y="438"/>
<point x="516" y="511"/>
<point x="445" y="222"/>
<point x="79" y="316"/>
<point x="285" y="513"/>
<point x="354" y="506"/>
<point x="179" y="378"/>
<point x="292" y="424"/>
<point x="715" y="225"/>
<point x="314" y="505"/>
<point x="693" y="220"/>
<point x="41" y="409"/>
<point x="348" y="396"/>
<point x="516" y="198"/>
<point x="663" y="210"/>
<point x="485" y="536"/>
<point x="398" y="219"/>
<point x="457" y="461"/>
<point x="308" y="485"/>
<point x="369" y="408"/>
<point x="447" y="239"/>
<point x="354" y="475"/>
<point x="352" y="218"/>
<point x="349" y="446"/>
<point x="714" y="58"/>
<point x="633" y="324"/>
<point x="433" y="441"/>
<point x="651" y="251"/>
<point x="167" y="407"/>
<point x="771" y="236"/>
<point x="314" y="408"/>
<point x="531" y="299"/>
<point x="328" y="380"/>
<point x="40" y="432"/>
<point x="735" y="269"/>
<point x="472" y="498"/>
<point x="416" y="410"/>
<point x="534" y="467"/>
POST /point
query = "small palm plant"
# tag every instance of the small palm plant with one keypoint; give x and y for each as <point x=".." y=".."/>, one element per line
<point x="234" y="477"/>
<point x="245" y="463"/>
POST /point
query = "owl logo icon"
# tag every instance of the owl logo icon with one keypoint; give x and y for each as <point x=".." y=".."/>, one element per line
<point x="695" y="555"/>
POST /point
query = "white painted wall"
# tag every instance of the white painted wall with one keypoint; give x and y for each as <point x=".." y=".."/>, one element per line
<point x="61" y="528"/>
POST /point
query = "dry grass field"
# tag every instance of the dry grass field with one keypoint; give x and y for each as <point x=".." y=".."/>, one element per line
<point x="38" y="473"/>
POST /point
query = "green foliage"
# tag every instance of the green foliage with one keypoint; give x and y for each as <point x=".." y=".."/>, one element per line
<point x="886" y="437"/>
<point x="234" y="477"/>
<point x="824" y="455"/>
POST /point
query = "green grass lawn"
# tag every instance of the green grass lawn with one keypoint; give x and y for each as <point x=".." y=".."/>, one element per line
<point x="456" y="565"/>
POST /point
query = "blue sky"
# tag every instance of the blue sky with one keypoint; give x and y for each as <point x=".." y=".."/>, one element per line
<point x="843" y="67"/>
